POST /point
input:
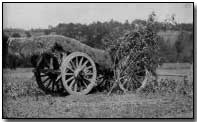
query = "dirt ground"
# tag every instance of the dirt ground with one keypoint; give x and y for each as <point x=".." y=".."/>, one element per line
<point x="23" y="99"/>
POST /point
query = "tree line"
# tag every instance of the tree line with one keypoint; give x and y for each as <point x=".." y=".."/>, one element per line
<point x="98" y="33"/>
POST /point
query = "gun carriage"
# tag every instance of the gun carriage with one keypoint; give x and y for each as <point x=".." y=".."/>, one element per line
<point x="65" y="64"/>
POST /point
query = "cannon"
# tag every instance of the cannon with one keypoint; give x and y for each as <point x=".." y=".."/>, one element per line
<point x="65" y="64"/>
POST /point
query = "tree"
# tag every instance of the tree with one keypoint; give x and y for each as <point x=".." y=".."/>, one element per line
<point x="47" y="31"/>
<point x="16" y="34"/>
<point x="5" y="49"/>
<point x="179" y="49"/>
<point x="27" y="33"/>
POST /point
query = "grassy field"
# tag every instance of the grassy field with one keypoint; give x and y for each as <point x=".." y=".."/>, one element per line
<point x="23" y="99"/>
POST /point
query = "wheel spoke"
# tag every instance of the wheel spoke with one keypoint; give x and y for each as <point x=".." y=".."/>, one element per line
<point x="58" y="78"/>
<point x="69" y="67"/>
<point x="57" y="83"/>
<point x="83" y="81"/>
<point x="124" y="82"/>
<point x="46" y="80"/>
<point x="75" y="88"/>
<point x="83" y="66"/>
<point x="87" y="68"/>
<point x="69" y="73"/>
<point x="71" y="84"/>
<point x="81" y="61"/>
<point x="39" y="61"/>
<point x="49" y="83"/>
<point x="51" y="63"/>
<point x="89" y="73"/>
<point x="77" y="62"/>
<point x="86" y="79"/>
<point x="73" y="65"/>
<point x="43" y="75"/>
<point x="69" y="79"/>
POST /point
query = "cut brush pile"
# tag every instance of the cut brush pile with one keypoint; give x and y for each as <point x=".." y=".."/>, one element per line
<point x="27" y="47"/>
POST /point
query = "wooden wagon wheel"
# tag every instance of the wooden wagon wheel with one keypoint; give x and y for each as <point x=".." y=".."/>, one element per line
<point x="135" y="81"/>
<point x="48" y="74"/>
<point x="78" y="73"/>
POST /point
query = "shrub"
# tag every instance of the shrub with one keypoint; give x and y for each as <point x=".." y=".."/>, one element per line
<point x="16" y="35"/>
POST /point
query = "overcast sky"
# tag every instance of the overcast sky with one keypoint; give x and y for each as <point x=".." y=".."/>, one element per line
<point x="40" y="15"/>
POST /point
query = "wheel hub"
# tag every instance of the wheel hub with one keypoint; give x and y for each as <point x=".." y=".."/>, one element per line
<point x="77" y="72"/>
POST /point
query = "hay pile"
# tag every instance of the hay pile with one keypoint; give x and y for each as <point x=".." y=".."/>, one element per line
<point x="27" y="47"/>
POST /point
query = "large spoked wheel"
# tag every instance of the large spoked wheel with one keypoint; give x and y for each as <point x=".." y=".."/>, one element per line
<point x="78" y="73"/>
<point x="136" y="80"/>
<point x="48" y="75"/>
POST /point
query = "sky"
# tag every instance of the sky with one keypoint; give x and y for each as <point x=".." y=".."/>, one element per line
<point x="41" y="15"/>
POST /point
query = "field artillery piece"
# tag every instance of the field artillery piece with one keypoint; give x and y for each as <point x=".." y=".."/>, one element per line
<point x="65" y="64"/>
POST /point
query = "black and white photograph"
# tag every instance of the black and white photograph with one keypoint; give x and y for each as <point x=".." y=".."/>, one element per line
<point x="98" y="60"/>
